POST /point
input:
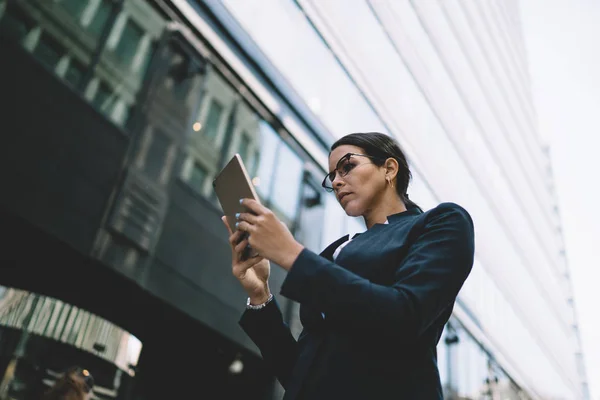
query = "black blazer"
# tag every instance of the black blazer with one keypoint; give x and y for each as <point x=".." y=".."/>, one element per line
<point x="385" y="301"/>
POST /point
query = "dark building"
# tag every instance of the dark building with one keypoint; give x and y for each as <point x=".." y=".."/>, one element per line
<point x="116" y="116"/>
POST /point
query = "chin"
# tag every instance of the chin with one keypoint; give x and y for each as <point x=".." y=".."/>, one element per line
<point x="353" y="210"/>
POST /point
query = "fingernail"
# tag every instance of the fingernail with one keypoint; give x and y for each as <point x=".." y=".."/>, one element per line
<point x="241" y="201"/>
<point x="237" y="216"/>
<point x="237" y="224"/>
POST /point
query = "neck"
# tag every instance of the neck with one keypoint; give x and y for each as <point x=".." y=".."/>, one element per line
<point x="379" y="213"/>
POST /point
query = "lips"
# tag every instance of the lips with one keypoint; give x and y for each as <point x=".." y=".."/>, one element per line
<point x="342" y="195"/>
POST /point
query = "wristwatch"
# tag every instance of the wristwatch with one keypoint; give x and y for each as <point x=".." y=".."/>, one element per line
<point x="257" y="307"/>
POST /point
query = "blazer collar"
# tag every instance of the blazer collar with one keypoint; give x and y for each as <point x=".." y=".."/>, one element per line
<point x="328" y="252"/>
<point x="408" y="213"/>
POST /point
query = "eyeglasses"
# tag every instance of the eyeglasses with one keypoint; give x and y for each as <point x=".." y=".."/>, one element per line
<point x="343" y="168"/>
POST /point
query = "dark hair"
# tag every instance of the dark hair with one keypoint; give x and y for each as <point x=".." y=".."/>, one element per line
<point x="382" y="147"/>
<point x="72" y="385"/>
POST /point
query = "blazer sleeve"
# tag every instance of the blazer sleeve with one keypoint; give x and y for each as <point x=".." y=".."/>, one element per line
<point x="274" y="339"/>
<point x="427" y="281"/>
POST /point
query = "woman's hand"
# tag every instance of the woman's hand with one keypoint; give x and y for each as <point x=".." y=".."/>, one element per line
<point x="269" y="237"/>
<point x="252" y="273"/>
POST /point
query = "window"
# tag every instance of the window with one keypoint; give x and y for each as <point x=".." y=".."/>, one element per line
<point x="197" y="178"/>
<point x="102" y="98"/>
<point x="74" y="73"/>
<point x="311" y="216"/>
<point x="126" y="116"/>
<point x="213" y="119"/>
<point x="156" y="155"/>
<point x="254" y="164"/>
<point x="269" y="142"/>
<point x="277" y="171"/>
<point x="128" y="44"/>
<point x="244" y="149"/>
<point x="277" y="168"/>
<point x="74" y="7"/>
<point x="100" y="17"/>
<point x="48" y="51"/>
<point x="147" y="59"/>
<point x="288" y="182"/>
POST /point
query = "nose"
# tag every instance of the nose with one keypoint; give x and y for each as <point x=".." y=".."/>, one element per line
<point x="337" y="182"/>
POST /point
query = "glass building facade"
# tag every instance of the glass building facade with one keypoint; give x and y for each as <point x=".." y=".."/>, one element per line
<point x="449" y="80"/>
<point x="185" y="84"/>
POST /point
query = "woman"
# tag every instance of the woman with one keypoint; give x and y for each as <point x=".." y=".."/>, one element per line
<point x="75" y="384"/>
<point x="372" y="307"/>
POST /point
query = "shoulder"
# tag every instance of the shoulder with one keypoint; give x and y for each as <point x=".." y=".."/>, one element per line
<point x="448" y="213"/>
<point x="449" y="209"/>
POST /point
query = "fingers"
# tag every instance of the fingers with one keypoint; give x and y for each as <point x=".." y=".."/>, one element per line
<point x="245" y="227"/>
<point x="238" y="244"/>
<point x="240" y="268"/>
<point x="250" y="218"/>
<point x="241" y="246"/>
<point x="245" y="222"/>
<point x="254" y="206"/>
<point x="234" y="238"/>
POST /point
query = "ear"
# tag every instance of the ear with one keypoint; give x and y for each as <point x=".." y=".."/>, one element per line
<point x="391" y="168"/>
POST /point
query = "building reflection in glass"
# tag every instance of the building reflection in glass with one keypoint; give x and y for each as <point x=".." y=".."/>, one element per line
<point x="469" y="372"/>
<point x="65" y="35"/>
<point x="41" y="336"/>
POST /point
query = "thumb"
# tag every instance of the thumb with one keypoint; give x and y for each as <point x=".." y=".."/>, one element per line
<point x="224" y="219"/>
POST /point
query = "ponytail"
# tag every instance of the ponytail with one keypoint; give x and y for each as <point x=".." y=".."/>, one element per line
<point x="409" y="203"/>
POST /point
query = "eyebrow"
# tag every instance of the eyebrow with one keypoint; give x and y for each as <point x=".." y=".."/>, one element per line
<point x="338" y="161"/>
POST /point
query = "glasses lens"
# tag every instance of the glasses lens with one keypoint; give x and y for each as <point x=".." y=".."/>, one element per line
<point x="327" y="185"/>
<point x="339" y="169"/>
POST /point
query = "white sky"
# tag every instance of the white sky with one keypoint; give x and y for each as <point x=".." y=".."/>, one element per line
<point x="563" y="45"/>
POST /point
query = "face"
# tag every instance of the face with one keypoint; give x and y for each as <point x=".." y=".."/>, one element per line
<point x="363" y="184"/>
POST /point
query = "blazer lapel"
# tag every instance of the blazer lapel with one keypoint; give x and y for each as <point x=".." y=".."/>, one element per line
<point x="311" y="319"/>
<point x="328" y="252"/>
<point x="308" y="316"/>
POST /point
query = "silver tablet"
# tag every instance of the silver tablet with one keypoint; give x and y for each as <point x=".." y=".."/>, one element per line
<point x="232" y="184"/>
